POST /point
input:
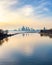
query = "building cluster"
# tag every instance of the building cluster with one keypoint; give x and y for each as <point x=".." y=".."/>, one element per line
<point x="26" y="29"/>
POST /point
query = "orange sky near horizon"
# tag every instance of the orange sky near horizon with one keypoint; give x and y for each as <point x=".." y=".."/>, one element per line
<point x="29" y="23"/>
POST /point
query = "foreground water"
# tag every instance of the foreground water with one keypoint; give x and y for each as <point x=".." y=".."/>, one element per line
<point x="26" y="49"/>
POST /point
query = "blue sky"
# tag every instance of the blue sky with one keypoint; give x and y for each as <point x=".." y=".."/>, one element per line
<point x="32" y="13"/>
<point x="41" y="7"/>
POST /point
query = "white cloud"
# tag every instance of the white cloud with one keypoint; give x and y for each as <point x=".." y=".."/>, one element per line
<point x="5" y="13"/>
<point x="9" y="15"/>
<point x="26" y="10"/>
<point x="42" y="8"/>
<point x="46" y="9"/>
<point x="26" y="13"/>
<point x="7" y="3"/>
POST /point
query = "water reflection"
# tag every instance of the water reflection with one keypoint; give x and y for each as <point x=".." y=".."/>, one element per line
<point x="46" y="35"/>
<point x="25" y="34"/>
<point x="29" y="49"/>
<point x="41" y="56"/>
<point x="41" y="34"/>
<point x="2" y="40"/>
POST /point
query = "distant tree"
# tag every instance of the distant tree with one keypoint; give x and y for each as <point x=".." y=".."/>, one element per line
<point x="6" y="32"/>
<point x="1" y="31"/>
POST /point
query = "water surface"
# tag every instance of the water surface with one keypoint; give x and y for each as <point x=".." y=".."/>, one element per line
<point x="26" y="49"/>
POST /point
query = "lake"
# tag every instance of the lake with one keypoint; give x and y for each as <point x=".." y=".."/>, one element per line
<point x="26" y="49"/>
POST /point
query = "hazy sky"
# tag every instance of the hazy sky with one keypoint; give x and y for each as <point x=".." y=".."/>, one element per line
<point x="33" y="13"/>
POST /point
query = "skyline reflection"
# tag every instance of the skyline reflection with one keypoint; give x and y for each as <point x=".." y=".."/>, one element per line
<point x="27" y="50"/>
<point x="2" y="40"/>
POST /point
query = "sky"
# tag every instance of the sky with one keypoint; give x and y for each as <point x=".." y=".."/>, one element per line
<point x="32" y="13"/>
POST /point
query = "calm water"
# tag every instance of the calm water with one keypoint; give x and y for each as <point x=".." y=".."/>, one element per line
<point x="26" y="49"/>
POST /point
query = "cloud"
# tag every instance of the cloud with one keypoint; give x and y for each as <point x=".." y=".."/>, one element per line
<point x="43" y="8"/>
<point x="8" y="1"/>
<point x="26" y="10"/>
<point x="25" y="14"/>
<point x="46" y="9"/>
<point x="5" y="12"/>
<point x="9" y="15"/>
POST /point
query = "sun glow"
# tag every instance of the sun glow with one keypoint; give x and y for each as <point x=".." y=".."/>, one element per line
<point x="22" y="16"/>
